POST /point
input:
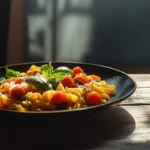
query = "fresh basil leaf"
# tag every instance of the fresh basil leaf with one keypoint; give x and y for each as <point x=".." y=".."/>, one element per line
<point x="12" y="73"/>
<point x="1" y="80"/>
<point x="58" y="76"/>
<point x="39" y="83"/>
<point x="61" y="71"/>
<point x="47" y="70"/>
<point x="54" y="75"/>
<point x="54" y="82"/>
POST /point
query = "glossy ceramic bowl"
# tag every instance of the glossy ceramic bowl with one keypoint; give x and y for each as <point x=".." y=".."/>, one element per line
<point x="125" y="85"/>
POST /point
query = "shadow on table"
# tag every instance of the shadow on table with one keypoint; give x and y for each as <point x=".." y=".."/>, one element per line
<point x="67" y="133"/>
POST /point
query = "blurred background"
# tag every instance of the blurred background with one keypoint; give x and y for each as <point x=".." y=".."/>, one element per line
<point x="114" y="33"/>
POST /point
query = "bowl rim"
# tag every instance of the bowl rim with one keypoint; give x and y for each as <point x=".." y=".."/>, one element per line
<point x="110" y="103"/>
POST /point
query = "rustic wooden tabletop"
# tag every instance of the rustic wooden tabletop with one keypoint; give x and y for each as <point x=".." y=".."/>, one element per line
<point x="123" y="127"/>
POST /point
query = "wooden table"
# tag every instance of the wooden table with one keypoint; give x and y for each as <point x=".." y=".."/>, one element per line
<point x="123" y="127"/>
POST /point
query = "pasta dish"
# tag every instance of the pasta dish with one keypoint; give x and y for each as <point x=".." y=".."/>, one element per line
<point x="44" y="88"/>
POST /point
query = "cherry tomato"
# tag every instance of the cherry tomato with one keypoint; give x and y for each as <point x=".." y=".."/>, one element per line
<point x="19" y="81"/>
<point x="67" y="81"/>
<point x="95" y="77"/>
<point x="80" y="79"/>
<point x="93" y="98"/>
<point x="77" y="70"/>
<point x="59" y="97"/>
<point x="17" y="92"/>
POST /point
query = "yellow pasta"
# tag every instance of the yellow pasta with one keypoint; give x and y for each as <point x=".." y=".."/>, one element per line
<point x="47" y="96"/>
<point x="44" y="88"/>
<point x="33" y="70"/>
<point x="33" y="96"/>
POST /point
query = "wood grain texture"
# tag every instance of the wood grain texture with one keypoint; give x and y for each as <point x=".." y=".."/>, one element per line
<point x="140" y="96"/>
<point x="142" y="80"/>
<point x="124" y="127"/>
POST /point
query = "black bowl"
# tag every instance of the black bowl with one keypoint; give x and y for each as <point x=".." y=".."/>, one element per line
<point x="125" y="86"/>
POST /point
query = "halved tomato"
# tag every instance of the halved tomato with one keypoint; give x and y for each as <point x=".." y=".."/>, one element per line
<point x="80" y="79"/>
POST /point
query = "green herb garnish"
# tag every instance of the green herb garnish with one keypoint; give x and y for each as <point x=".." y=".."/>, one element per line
<point x="38" y="83"/>
<point x="53" y="75"/>
<point x="1" y="80"/>
<point x="11" y="73"/>
<point x="47" y="70"/>
<point x="58" y="73"/>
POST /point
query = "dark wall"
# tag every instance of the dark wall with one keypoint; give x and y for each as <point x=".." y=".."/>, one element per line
<point x="4" y="23"/>
<point x="121" y="31"/>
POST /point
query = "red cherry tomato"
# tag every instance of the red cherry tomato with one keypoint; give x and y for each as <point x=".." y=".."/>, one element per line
<point x="19" y="81"/>
<point x="77" y="70"/>
<point x="17" y="92"/>
<point x="80" y="79"/>
<point x="59" y="97"/>
<point x="67" y="81"/>
<point x="93" y="98"/>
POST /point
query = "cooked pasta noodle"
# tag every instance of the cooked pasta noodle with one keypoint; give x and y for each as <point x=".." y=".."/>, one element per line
<point x="44" y="88"/>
